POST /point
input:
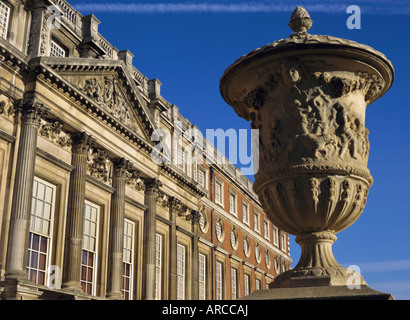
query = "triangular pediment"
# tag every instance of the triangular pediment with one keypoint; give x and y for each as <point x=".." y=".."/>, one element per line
<point x="108" y="85"/>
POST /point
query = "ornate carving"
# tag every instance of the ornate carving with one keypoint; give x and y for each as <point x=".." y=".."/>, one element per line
<point x="152" y="185"/>
<point x="134" y="180"/>
<point x="82" y="142"/>
<point x="121" y="167"/>
<point x="106" y="92"/>
<point x="177" y="206"/>
<point x="99" y="166"/>
<point x="31" y="111"/>
<point x="194" y="217"/>
<point x="53" y="131"/>
<point x="7" y="108"/>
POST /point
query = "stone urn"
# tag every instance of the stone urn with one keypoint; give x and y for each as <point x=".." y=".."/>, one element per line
<point x="307" y="95"/>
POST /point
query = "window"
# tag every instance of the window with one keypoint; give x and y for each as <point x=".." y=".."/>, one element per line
<point x="232" y="203"/>
<point x="56" y="50"/>
<point x="245" y="213"/>
<point x="4" y="19"/>
<point x="219" y="229"/>
<point x="234" y="286"/>
<point x="158" y="266"/>
<point x="246" y="284"/>
<point x="89" y="255"/>
<point x="202" y="178"/>
<point x="283" y="241"/>
<point x="219" y="193"/>
<point x="128" y="258"/>
<point x="218" y="279"/>
<point x="246" y="246"/>
<point x="266" y="229"/>
<point x="267" y="259"/>
<point x="257" y="284"/>
<point x="180" y="272"/>
<point x="202" y="277"/>
<point x="181" y="156"/>
<point x="234" y="238"/>
<point x="41" y="218"/>
<point x="256" y="221"/>
<point x="275" y="236"/>
<point x="203" y="221"/>
<point x="258" y="253"/>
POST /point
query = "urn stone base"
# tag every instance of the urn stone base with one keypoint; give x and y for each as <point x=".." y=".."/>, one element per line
<point x="319" y="293"/>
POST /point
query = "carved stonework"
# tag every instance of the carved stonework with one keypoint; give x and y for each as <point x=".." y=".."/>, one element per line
<point x="121" y="167"/>
<point x="307" y="95"/>
<point x="134" y="180"/>
<point x="194" y="217"/>
<point x="7" y="107"/>
<point x="99" y="166"/>
<point x="107" y="92"/>
<point x="53" y="131"/>
<point x="31" y="111"/>
<point x="82" y="142"/>
<point x="152" y="186"/>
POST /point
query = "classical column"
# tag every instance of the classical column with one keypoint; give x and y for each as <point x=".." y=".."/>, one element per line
<point x="194" y="217"/>
<point x="148" y="270"/>
<point x="75" y="212"/>
<point x="173" y="203"/>
<point x="31" y="112"/>
<point x="116" y="245"/>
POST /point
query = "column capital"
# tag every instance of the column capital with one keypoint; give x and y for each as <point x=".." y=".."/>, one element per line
<point x="82" y="142"/>
<point x="194" y="217"/>
<point x="31" y="111"/>
<point x="121" y="167"/>
<point x="152" y="185"/>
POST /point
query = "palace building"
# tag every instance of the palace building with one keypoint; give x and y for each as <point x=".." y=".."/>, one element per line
<point x="89" y="209"/>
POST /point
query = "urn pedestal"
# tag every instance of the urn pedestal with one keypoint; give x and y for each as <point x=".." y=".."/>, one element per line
<point x="307" y="95"/>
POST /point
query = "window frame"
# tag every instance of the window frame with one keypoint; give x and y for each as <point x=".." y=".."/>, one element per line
<point x="202" y="275"/>
<point x="219" y="284"/>
<point x="131" y="263"/>
<point x="233" y="207"/>
<point x="41" y="234"/>
<point x="9" y="18"/>
<point x="219" y="201"/>
<point x="158" y="266"/>
<point x="96" y="256"/>
<point x="234" y="283"/>
<point x="59" y="47"/>
<point x="245" y="206"/>
<point x="181" y="272"/>
<point x="256" y="221"/>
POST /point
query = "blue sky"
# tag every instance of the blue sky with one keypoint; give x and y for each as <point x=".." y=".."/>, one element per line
<point x="188" y="45"/>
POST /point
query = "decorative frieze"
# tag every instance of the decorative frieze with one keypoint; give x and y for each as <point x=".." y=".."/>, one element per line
<point x="134" y="180"/>
<point x="99" y="165"/>
<point x="7" y="107"/>
<point x="53" y="131"/>
<point x="107" y="92"/>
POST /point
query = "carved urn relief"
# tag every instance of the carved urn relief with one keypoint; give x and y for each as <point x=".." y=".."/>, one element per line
<point x="307" y="95"/>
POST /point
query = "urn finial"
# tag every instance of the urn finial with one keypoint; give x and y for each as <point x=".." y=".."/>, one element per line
<point x="300" y="20"/>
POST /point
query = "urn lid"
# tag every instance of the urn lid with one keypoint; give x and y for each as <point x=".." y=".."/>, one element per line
<point x="301" y="43"/>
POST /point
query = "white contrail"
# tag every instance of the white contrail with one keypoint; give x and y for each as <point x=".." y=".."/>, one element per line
<point x="377" y="7"/>
<point x="382" y="266"/>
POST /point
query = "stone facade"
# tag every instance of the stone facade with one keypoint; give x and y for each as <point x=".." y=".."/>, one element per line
<point x="86" y="211"/>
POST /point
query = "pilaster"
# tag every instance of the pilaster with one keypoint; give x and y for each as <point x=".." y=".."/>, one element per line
<point x="152" y="186"/>
<point x="31" y="113"/>
<point x="75" y="212"/>
<point x="116" y="245"/>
